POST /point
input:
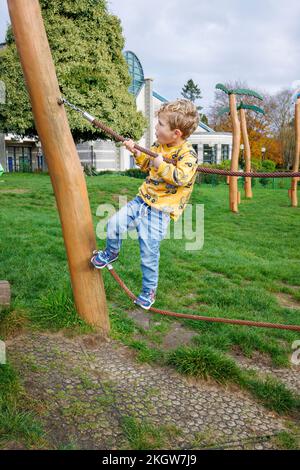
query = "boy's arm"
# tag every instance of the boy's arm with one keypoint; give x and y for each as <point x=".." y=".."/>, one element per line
<point x="143" y="162"/>
<point x="141" y="159"/>
<point x="182" y="173"/>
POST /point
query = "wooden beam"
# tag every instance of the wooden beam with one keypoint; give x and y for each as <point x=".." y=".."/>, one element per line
<point x="247" y="153"/>
<point x="5" y="294"/>
<point x="234" y="165"/>
<point x="294" y="183"/>
<point x="62" y="159"/>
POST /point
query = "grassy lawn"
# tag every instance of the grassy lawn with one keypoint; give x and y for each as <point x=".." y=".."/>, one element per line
<point x="246" y="260"/>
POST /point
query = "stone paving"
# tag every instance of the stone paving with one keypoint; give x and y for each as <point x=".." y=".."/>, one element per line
<point x="289" y="376"/>
<point x="86" y="386"/>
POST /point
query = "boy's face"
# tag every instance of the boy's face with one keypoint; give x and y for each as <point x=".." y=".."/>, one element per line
<point x="163" y="132"/>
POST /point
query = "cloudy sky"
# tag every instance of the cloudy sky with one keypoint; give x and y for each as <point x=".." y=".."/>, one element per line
<point x="210" y="41"/>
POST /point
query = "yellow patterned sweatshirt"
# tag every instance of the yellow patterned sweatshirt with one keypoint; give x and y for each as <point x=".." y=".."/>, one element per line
<point x="169" y="187"/>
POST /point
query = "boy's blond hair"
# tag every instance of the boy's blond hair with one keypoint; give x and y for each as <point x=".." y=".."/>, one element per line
<point x="181" y="114"/>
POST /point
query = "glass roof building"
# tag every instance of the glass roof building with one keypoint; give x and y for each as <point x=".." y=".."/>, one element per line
<point x="211" y="146"/>
<point x="136" y="72"/>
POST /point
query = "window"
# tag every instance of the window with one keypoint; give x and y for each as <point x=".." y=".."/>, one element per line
<point x="136" y="72"/>
<point x="25" y="160"/>
<point x="209" y="153"/>
<point x="132" y="162"/>
<point x="225" y="152"/>
<point x="19" y="159"/>
<point x="40" y="161"/>
<point x="11" y="159"/>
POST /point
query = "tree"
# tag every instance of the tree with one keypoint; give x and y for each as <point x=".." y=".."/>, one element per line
<point x="192" y="92"/>
<point x="280" y="115"/>
<point x="261" y="127"/>
<point x="86" y="43"/>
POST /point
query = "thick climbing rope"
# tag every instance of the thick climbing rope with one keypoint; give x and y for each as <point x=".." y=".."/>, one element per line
<point x="277" y="326"/>
<point x="200" y="169"/>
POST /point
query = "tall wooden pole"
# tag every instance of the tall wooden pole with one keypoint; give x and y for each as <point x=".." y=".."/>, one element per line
<point x="63" y="163"/>
<point x="247" y="153"/>
<point x="294" y="183"/>
<point x="234" y="195"/>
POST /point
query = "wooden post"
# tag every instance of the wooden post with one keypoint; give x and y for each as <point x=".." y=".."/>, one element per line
<point x="294" y="183"/>
<point x="247" y="153"/>
<point x="63" y="162"/>
<point x="233" y="182"/>
<point x="5" y="294"/>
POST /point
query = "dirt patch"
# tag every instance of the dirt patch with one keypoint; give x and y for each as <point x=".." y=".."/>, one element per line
<point x="287" y="300"/>
<point x="177" y="336"/>
<point x="14" y="191"/>
<point x="257" y="359"/>
<point x="13" y="445"/>
<point x="197" y="306"/>
<point x="14" y="324"/>
<point x="91" y="342"/>
<point x="290" y="286"/>
<point x="140" y="317"/>
<point x="216" y="273"/>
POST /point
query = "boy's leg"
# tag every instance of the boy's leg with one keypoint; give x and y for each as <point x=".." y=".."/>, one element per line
<point x="122" y="221"/>
<point x="151" y="230"/>
<point x="125" y="219"/>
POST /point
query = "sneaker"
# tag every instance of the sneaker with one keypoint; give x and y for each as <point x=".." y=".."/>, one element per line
<point x="145" y="299"/>
<point x="103" y="258"/>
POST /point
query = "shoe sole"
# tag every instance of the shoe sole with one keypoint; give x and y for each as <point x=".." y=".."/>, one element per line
<point x="143" y="306"/>
<point x="104" y="266"/>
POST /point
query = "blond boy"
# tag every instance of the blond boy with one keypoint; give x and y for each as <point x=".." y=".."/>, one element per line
<point x="162" y="196"/>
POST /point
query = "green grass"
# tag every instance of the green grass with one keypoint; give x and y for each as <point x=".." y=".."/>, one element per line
<point x="18" y="419"/>
<point x="287" y="441"/>
<point x="146" y="436"/>
<point x="206" y="362"/>
<point x="246" y="259"/>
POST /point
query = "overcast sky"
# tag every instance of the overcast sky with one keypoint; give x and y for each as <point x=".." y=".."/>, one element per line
<point x="209" y="41"/>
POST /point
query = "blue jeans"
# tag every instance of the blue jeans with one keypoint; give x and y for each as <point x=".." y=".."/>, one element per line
<point x="151" y="225"/>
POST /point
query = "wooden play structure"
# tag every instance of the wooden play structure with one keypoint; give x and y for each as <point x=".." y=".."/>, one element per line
<point x="244" y="131"/>
<point x="5" y="294"/>
<point x="63" y="162"/>
<point x="294" y="181"/>
<point x="247" y="150"/>
<point x="239" y="127"/>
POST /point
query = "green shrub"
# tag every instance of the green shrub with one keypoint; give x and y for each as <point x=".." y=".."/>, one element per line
<point x="256" y="164"/>
<point x="268" y="165"/>
<point x="206" y="178"/>
<point x="135" y="173"/>
<point x="264" y="181"/>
